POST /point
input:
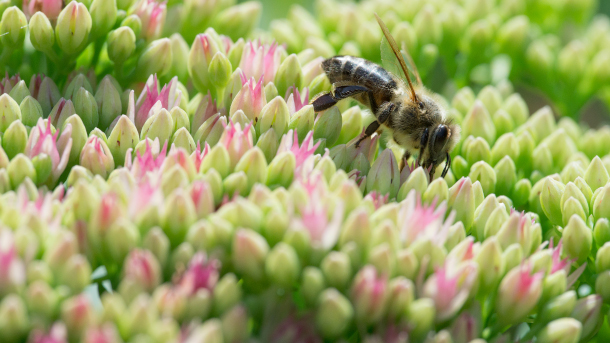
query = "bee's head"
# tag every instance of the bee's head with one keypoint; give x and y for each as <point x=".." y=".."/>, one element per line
<point x="442" y="138"/>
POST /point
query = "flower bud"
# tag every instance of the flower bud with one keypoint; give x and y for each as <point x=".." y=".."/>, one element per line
<point x="41" y="32"/>
<point x="249" y="252"/>
<point x="20" y="168"/>
<point x="461" y="199"/>
<point x="96" y="157"/>
<point x="477" y="150"/>
<point x="478" y="123"/>
<point x="86" y="107"/>
<point x="334" y="314"/>
<point x="124" y="136"/>
<point x="336" y="267"/>
<point x="9" y="112"/>
<point x="351" y="120"/>
<point x="421" y="315"/>
<point x="42" y="299"/>
<point x="76" y="273"/>
<point x="142" y="268"/>
<point x="202" y="51"/>
<point x="73" y="27"/>
<point x="281" y="170"/>
<point x="436" y="190"/>
<point x="282" y="265"/>
<point x="588" y="311"/>
<point x="577" y="239"/>
<point x="227" y="293"/>
<point x="418" y="181"/>
<point x="289" y="74"/>
<point x="108" y="102"/>
<point x="121" y="44"/>
<point x="384" y="176"/>
<point x="14" y="139"/>
<point x="328" y="126"/>
<point x="302" y="121"/>
<point x="601" y="232"/>
<point x="312" y="284"/>
<point x="77" y="313"/>
<point x="103" y="16"/>
<point x="503" y="122"/>
<point x="30" y="111"/>
<point x="506" y="174"/>
<point x="550" y="199"/>
<point x="491" y="264"/>
<point x="558" y="307"/>
<point x="160" y="125"/>
<point x="13" y="26"/>
<point x="518" y="294"/>
<point x="274" y="115"/>
<point x="62" y="110"/>
<point x="485" y="174"/>
<point x="19" y="92"/>
<point x="254" y="165"/>
<point x="14" y="321"/>
<point x="155" y="59"/>
<point x="561" y="330"/>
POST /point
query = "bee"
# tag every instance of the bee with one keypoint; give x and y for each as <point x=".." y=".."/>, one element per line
<point x="416" y="120"/>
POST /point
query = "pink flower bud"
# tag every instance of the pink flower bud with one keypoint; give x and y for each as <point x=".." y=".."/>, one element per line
<point x="151" y="100"/>
<point x="106" y="333"/>
<point x="78" y="314"/>
<point x="152" y="15"/>
<point x="518" y="294"/>
<point x="369" y="295"/>
<point x="295" y="100"/>
<point x="43" y="141"/>
<point x="423" y="221"/>
<point x="57" y="334"/>
<point x="303" y="153"/>
<point x="50" y="8"/>
<point x="142" y="267"/>
<point x="260" y="61"/>
<point x="201" y="273"/>
<point x="147" y="165"/>
<point x="198" y="155"/>
<point x="12" y="269"/>
<point x="236" y="141"/>
<point x="250" y="99"/>
<point x="205" y="110"/>
<point x="449" y="287"/>
<point x="96" y="157"/>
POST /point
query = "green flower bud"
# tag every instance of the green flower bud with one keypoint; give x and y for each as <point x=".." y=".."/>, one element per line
<point x="302" y="121"/>
<point x="19" y="92"/>
<point x="159" y="125"/>
<point x="132" y="21"/>
<point x="421" y="315"/>
<point x="220" y="70"/>
<point x="571" y="171"/>
<point x="543" y="159"/>
<point x="312" y="284"/>
<point x="491" y="98"/>
<point x="382" y="258"/>
<point x="158" y="244"/>
<point x="319" y="84"/>
<point x="478" y="123"/>
<point x="489" y="259"/>
<point x="558" y="307"/>
<point x="328" y="125"/>
<point x="73" y="27"/>
<point x="438" y="190"/>
<point x="96" y="157"/>
<point x="577" y="239"/>
<point x="281" y="170"/>
<point x="418" y="181"/>
<point x="76" y="273"/>
<point x="41" y="32"/>
<point x="513" y="34"/>
<point x="289" y="74"/>
<point x="601" y="287"/>
<point x="180" y="53"/>
<point x="254" y="165"/>
<point x="124" y="136"/>
<point x="282" y="265"/>
<point x="236" y="183"/>
<point x="334" y="314"/>
<point x="561" y="330"/>
<point x="15" y="139"/>
<point x="41" y="299"/>
<point x="103" y="16"/>
<point x="503" y="122"/>
<point x="183" y="139"/>
<point x="384" y="176"/>
<point x="30" y="111"/>
<point x="521" y="192"/>
<point x="336" y="267"/>
<point x="601" y="231"/>
<point x="553" y="285"/>
<point x="512" y="256"/>
<point x="9" y="112"/>
<point x="506" y="174"/>
<point x="463" y="100"/>
<point x="506" y="145"/>
<point x="211" y="130"/>
<point x="121" y="44"/>
<point x="596" y="174"/>
<point x="13" y="26"/>
<point x="550" y="199"/>
<point x="15" y="322"/>
<point x="155" y="59"/>
<point x="108" y="101"/>
<point x="249" y="252"/>
<point x="477" y="150"/>
<point x="460" y="167"/>
<point x="61" y="111"/>
<point x="518" y="293"/>
<point x="86" y="107"/>
<point x="20" y="168"/>
<point x="274" y="116"/>
<point x="461" y="199"/>
<point x="495" y="222"/>
<point x="485" y="174"/>
<point x="351" y="125"/>
<point x="238" y="20"/>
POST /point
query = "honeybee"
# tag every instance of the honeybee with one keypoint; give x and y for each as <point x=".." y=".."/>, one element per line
<point x="416" y="121"/>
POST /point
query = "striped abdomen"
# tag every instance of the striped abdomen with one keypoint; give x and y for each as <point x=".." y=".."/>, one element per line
<point x="359" y="71"/>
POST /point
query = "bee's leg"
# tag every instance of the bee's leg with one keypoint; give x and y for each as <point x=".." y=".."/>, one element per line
<point x="432" y="170"/>
<point x="328" y="100"/>
<point x="422" y="146"/>
<point x="447" y="166"/>
<point x="382" y="116"/>
<point x="404" y="159"/>
<point x="370" y="130"/>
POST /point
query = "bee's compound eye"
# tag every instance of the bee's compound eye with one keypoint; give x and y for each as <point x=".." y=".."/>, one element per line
<point x="421" y="105"/>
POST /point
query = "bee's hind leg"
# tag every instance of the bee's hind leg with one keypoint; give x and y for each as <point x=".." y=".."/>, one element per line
<point x="404" y="159"/>
<point x="323" y="102"/>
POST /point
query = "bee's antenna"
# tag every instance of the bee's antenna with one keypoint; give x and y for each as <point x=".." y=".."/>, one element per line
<point x="394" y="47"/>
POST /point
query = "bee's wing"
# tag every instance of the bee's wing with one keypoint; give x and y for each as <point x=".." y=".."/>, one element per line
<point x="391" y="64"/>
<point x="389" y="48"/>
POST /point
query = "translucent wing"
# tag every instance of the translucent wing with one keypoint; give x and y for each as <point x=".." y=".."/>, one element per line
<point x="390" y="63"/>
<point x="398" y="55"/>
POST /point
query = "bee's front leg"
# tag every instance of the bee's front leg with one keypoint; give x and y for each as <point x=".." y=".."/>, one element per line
<point x="404" y="159"/>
